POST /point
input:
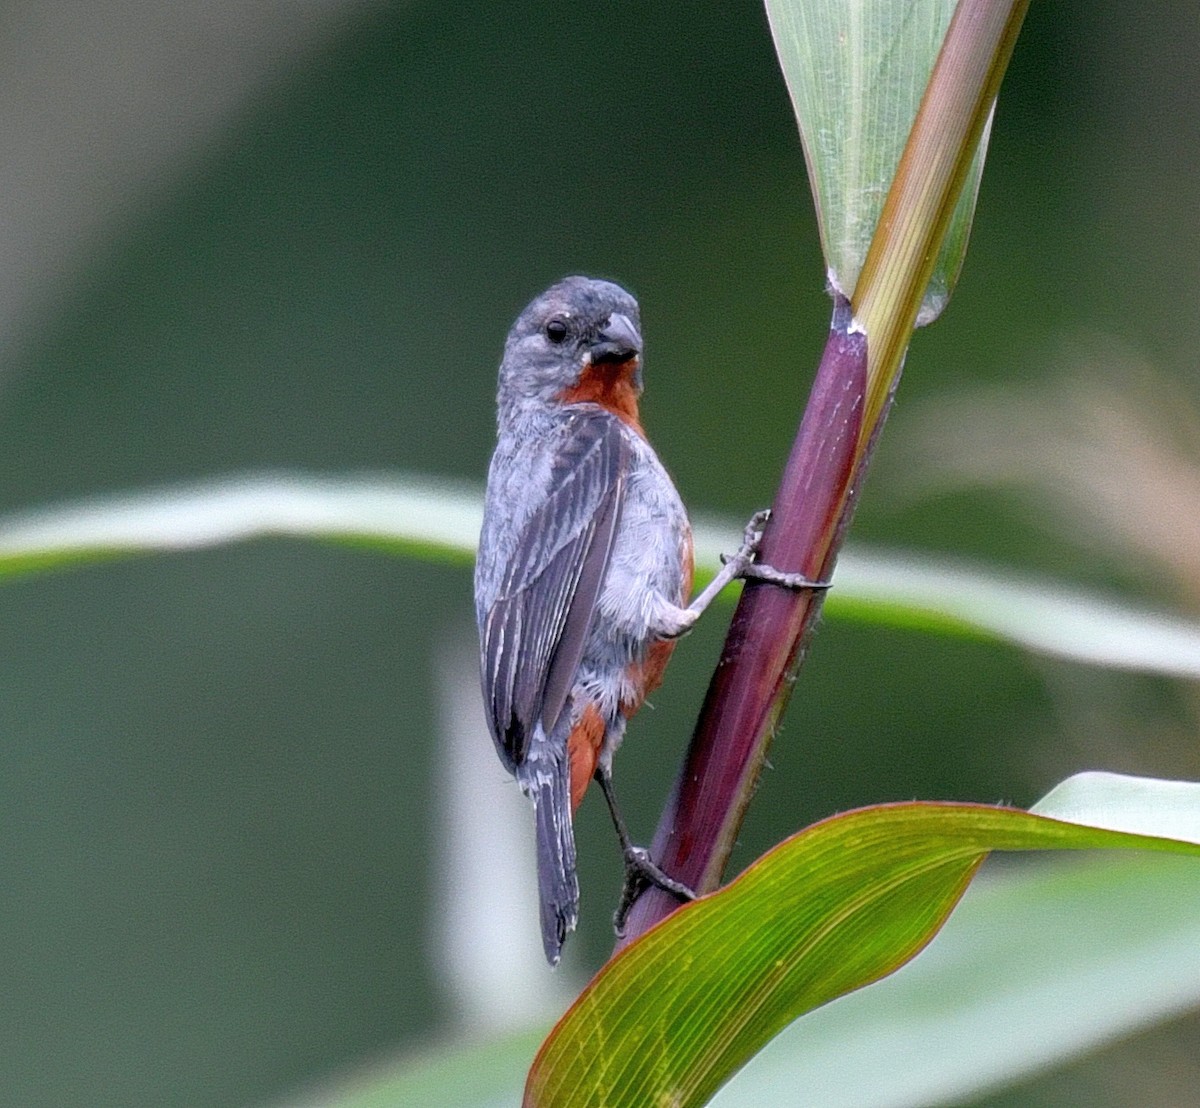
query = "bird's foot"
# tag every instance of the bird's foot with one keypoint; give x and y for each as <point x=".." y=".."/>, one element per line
<point x="748" y="568"/>
<point x="640" y="873"/>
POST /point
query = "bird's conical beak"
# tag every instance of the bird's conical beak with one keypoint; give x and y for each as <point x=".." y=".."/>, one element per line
<point x="618" y="342"/>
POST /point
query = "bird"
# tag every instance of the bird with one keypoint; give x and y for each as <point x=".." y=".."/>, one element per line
<point x="583" y="572"/>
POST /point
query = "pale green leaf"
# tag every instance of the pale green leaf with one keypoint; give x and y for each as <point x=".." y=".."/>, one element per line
<point x="424" y="517"/>
<point x="856" y="71"/>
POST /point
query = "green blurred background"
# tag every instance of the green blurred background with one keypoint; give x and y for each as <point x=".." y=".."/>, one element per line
<point x="248" y="236"/>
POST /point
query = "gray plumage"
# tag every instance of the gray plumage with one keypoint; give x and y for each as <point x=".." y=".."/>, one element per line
<point x="581" y="562"/>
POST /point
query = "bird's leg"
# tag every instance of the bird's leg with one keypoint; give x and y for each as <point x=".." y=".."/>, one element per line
<point x="742" y="564"/>
<point x="640" y="870"/>
<point x="671" y="622"/>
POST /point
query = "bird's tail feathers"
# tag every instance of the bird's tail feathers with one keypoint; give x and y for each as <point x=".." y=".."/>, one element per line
<point x="547" y="780"/>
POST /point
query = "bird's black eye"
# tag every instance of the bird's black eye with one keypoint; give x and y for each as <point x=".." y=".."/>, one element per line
<point x="556" y="331"/>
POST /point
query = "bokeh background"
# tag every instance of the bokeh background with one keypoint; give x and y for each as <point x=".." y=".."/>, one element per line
<point x="253" y="235"/>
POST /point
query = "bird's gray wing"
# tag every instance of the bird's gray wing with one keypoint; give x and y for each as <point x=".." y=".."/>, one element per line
<point x="534" y="633"/>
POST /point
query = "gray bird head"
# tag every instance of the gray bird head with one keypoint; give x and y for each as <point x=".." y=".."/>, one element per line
<point x="575" y="328"/>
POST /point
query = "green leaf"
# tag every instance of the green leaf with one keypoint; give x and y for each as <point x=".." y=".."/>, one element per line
<point x="856" y="71"/>
<point x="439" y="520"/>
<point x="418" y="516"/>
<point x="933" y="593"/>
<point x="1012" y="984"/>
<point x="843" y="903"/>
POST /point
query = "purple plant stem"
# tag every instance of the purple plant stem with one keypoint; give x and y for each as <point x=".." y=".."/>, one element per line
<point x="770" y="628"/>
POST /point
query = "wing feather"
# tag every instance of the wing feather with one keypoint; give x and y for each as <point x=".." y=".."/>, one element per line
<point x="534" y="634"/>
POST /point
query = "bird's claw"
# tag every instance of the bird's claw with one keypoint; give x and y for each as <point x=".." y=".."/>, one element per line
<point x="773" y="576"/>
<point x="640" y="873"/>
<point x="752" y="536"/>
<point x="749" y="569"/>
<point x="751" y="541"/>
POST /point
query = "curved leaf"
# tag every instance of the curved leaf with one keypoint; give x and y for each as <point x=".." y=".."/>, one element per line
<point x="1012" y="985"/>
<point x="983" y="1006"/>
<point x="429" y="518"/>
<point x="416" y="515"/>
<point x="834" y="908"/>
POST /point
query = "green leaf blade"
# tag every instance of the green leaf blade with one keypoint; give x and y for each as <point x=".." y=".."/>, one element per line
<point x="438" y="521"/>
<point x="856" y="72"/>
<point x="1012" y="985"/>
<point x="836" y="907"/>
